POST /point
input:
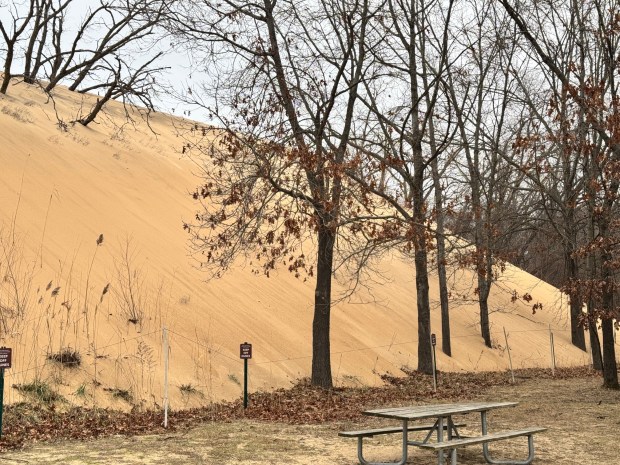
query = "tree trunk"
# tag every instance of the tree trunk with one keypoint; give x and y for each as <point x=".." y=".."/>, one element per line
<point x="425" y="361"/>
<point x="610" y="368"/>
<point x="483" y="270"/>
<point x="446" y="345"/>
<point x="29" y="76"/>
<point x="483" y="305"/>
<point x="321" y="357"/>
<point x="101" y="102"/>
<point x="595" y="344"/>
<point x="7" y="68"/>
<point x="576" y="330"/>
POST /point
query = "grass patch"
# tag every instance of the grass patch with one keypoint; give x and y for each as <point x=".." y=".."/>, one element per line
<point x="188" y="389"/>
<point x="81" y="390"/>
<point x="66" y="357"/>
<point x="39" y="391"/>
<point x="118" y="393"/>
<point x="19" y="114"/>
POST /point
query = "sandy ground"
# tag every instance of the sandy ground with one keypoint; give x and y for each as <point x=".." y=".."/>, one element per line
<point x="581" y="417"/>
<point x="63" y="189"/>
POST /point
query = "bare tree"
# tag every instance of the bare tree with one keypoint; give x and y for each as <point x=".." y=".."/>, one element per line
<point x="11" y="32"/>
<point x="555" y="164"/>
<point x="46" y="12"/>
<point x="482" y="96"/>
<point x="442" y="255"/>
<point x="589" y="82"/>
<point x="402" y="106"/>
<point x="135" y="87"/>
<point x="113" y="50"/>
<point x="285" y="94"/>
<point x="117" y="24"/>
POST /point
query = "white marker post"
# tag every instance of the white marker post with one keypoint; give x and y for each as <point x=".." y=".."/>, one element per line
<point x="512" y="373"/>
<point x="166" y="352"/>
<point x="552" y="351"/>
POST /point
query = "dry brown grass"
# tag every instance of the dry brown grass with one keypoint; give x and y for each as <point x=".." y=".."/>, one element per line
<point x="582" y="418"/>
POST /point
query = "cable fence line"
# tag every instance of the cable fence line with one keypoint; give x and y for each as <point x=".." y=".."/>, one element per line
<point x="358" y="349"/>
<point x="132" y="368"/>
<point x="47" y="363"/>
<point x="157" y="331"/>
<point x="284" y="359"/>
<point x="194" y="341"/>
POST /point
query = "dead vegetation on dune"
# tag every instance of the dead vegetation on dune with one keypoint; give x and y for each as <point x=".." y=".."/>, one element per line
<point x="302" y="404"/>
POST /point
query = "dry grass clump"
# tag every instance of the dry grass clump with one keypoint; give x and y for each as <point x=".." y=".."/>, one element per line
<point x="39" y="391"/>
<point x="67" y="357"/>
<point x="19" y="114"/>
<point x="118" y="393"/>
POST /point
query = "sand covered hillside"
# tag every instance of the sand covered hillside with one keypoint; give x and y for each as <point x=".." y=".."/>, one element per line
<point x="95" y="263"/>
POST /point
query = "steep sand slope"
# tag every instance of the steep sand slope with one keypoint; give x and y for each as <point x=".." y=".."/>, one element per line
<point x="60" y="190"/>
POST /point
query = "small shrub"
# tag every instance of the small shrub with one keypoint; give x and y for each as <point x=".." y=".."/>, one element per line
<point x="188" y="389"/>
<point x="184" y="300"/>
<point x="39" y="391"/>
<point x="234" y="379"/>
<point x="81" y="390"/>
<point x="118" y="393"/>
<point x="67" y="357"/>
<point x="20" y="114"/>
<point x="62" y="126"/>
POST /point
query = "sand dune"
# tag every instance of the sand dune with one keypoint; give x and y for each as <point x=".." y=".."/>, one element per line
<point x="61" y="189"/>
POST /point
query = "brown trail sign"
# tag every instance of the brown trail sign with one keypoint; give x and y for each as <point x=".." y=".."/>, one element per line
<point x="5" y="362"/>
<point x="5" y="357"/>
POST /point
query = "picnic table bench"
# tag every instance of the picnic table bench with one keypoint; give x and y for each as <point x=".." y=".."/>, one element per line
<point x="443" y="413"/>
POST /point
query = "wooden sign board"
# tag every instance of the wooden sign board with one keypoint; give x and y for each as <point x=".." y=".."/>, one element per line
<point x="245" y="350"/>
<point x="5" y="357"/>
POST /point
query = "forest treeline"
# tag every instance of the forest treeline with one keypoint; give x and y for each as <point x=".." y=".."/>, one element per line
<point x="460" y="133"/>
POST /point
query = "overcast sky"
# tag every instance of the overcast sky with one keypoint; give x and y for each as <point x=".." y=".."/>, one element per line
<point x="179" y="76"/>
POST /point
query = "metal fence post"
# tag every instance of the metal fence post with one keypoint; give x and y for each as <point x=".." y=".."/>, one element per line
<point x="512" y="373"/>
<point x="166" y="353"/>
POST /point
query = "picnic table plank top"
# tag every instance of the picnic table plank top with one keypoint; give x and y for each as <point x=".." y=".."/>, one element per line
<point x="435" y="410"/>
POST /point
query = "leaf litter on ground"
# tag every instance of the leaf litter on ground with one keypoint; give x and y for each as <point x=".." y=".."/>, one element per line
<point x="26" y="423"/>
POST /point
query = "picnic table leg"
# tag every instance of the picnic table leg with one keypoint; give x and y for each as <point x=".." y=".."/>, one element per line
<point x="530" y="456"/>
<point x="450" y="429"/>
<point x="485" y="447"/>
<point x="483" y="419"/>
<point x="402" y="461"/>
<point x="440" y="439"/>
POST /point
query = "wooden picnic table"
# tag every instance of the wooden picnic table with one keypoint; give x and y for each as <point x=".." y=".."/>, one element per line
<point x="443" y="423"/>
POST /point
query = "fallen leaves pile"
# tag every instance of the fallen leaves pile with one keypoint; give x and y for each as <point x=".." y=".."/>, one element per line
<point x="302" y="404"/>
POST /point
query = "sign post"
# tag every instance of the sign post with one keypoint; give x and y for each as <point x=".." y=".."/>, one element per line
<point x="433" y="344"/>
<point x="5" y="362"/>
<point x="245" y="353"/>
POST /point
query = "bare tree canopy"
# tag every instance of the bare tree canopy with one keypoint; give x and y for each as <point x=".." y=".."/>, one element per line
<point x="285" y="95"/>
<point x="113" y="49"/>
